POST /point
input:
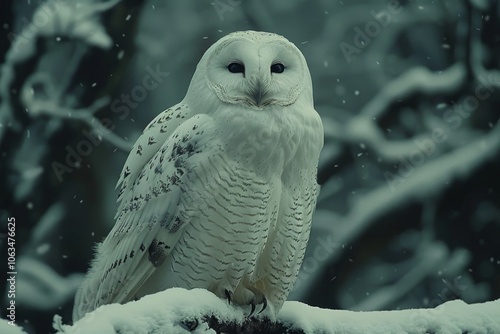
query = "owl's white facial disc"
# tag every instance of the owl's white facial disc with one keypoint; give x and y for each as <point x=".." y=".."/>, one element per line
<point x="256" y="69"/>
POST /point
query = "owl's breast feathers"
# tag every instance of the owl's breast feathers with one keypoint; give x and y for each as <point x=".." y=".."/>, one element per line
<point x="269" y="141"/>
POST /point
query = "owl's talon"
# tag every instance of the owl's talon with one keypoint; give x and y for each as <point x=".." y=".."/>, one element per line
<point x="228" y="295"/>
<point x="190" y="325"/>
<point x="258" y="299"/>
<point x="264" y="305"/>
<point x="253" y="309"/>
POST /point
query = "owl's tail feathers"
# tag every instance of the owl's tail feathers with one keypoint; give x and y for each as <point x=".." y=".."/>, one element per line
<point x="118" y="271"/>
<point x="80" y="306"/>
<point x="96" y="292"/>
<point x="84" y="299"/>
<point x="86" y="295"/>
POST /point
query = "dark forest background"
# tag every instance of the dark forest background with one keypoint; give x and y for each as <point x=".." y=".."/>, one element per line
<point x="409" y="210"/>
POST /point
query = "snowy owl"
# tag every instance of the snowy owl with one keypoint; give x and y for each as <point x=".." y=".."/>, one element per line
<point x="219" y="190"/>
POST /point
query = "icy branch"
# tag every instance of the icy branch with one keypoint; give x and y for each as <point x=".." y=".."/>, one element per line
<point x="52" y="105"/>
<point x="78" y="20"/>
<point x="199" y="311"/>
<point x="72" y="20"/>
<point x="41" y="288"/>
<point x="416" y="80"/>
<point x="363" y="128"/>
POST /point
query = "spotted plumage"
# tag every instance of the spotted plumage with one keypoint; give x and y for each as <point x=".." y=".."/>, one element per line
<point x="219" y="191"/>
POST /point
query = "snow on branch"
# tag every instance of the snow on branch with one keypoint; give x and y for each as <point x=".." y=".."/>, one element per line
<point x="41" y="288"/>
<point x="362" y="127"/>
<point x="52" y="105"/>
<point x="418" y="79"/>
<point x="199" y="311"/>
<point x="76" y="21"/>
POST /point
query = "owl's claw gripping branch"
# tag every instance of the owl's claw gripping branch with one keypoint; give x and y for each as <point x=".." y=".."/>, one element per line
<point x="253" y="309"/>
<point x="228" y="295"/>
<point x="264" y="305"/>
<point x="254" y="305"/>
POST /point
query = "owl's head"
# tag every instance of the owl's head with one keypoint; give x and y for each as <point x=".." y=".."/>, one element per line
<point x="255" y="69"/>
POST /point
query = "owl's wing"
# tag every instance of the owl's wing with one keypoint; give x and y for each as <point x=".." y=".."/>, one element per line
<point x="146" y="146"/>
<point x="148" y="223"/>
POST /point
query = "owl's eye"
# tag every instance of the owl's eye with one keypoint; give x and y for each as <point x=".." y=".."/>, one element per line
<point x="236" y="68"/>
<point x="277" y="68"/>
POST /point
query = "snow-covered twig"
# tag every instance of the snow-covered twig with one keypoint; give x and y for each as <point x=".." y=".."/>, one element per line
<point x="39" y="287"/>
<point x="79" y="21"/>
<point x="416" y="80"/>
<point x="363" y="129"/>
<point x="52" y="106"/>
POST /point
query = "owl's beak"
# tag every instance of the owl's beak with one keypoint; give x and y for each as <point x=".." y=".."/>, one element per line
<point x="258" y="97"/>
<point x="259" y="93"/>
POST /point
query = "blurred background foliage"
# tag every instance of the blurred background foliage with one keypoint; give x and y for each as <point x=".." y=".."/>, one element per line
<point x="408" y="214"/>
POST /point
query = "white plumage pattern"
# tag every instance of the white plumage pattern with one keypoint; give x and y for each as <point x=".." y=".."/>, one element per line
<point x="219" y="190"/>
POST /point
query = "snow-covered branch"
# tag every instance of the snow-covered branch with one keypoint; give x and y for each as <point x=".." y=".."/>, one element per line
<point x="53" y="19"/>
<point x="199" y="311"/>
<point x="363" y="129"/>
